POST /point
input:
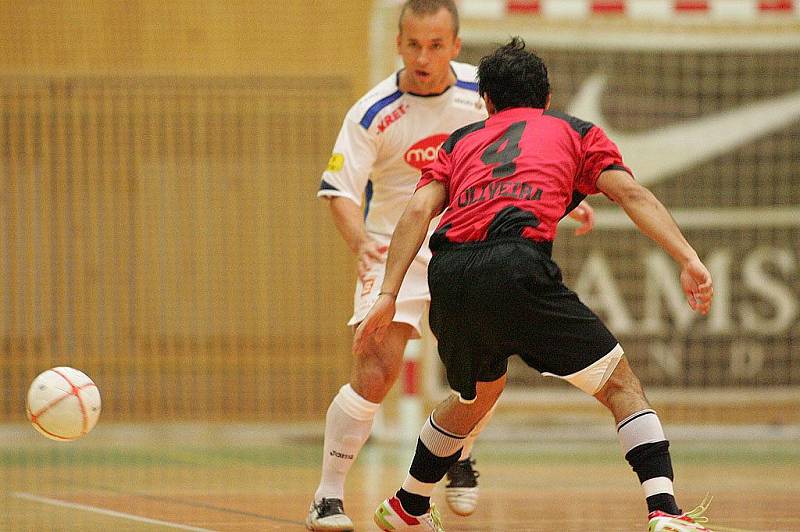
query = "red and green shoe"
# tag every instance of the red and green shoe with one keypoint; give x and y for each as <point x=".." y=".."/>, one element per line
<point x="391" y="517"/>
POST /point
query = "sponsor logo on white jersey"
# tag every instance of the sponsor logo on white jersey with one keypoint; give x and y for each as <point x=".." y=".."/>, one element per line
<point x="476" y="103"/>
<point x="335" y="163"/>
<point x="424" y="151"/>
<point x="392" y="117"/>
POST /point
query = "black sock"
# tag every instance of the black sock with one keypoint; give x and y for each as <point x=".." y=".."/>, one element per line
<point x="412" y="503"/>
<point x="436" y="451"/>
<point x="664" y="502"/>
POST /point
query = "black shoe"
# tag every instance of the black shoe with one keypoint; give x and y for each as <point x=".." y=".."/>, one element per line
<point x="462" y="487"/>
<point x="328" y="514"/>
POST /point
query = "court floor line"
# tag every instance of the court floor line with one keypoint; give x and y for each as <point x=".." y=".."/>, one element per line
<point x="104" y="511"/>
<point x="197" y="504"/>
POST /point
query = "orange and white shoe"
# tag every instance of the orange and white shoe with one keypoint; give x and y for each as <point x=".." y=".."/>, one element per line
<point x="391" y="517"/>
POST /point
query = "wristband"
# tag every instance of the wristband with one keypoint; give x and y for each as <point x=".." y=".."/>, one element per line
<point x="388" y="294"/>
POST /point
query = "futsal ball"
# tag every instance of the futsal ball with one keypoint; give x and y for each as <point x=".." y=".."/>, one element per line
<point x="63" y="404"/>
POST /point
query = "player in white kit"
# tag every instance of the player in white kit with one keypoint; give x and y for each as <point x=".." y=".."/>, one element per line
<point x="386" y="138"/>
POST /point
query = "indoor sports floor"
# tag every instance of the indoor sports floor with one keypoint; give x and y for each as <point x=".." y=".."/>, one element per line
<point x="226" y="478"/>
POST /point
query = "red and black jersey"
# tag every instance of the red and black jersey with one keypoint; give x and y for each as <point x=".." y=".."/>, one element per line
<point x="517" y="174"/>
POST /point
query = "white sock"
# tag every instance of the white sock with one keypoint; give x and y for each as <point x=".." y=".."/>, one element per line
<point x="348" y="424"/>
<point x="469" y="441"/>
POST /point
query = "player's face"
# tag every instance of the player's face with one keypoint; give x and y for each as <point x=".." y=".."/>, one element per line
<point x="427" y="44"/>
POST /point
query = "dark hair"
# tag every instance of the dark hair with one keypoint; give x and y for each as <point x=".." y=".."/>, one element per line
<point x="514" y="77"/>
<point x="429" y="7"/>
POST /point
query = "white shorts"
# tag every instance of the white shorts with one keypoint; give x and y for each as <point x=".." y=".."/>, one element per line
<point x="413" y="299"/>
<point x="594" y="377"/>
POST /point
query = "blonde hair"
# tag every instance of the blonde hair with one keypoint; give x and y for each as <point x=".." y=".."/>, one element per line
<point x="429" y="7"/>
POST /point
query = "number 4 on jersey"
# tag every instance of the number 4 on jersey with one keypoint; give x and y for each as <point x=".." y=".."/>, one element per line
<point x="504" y="150"/>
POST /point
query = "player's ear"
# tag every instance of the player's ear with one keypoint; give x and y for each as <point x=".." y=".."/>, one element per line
<point x="397" y="41"/>
<point x="489" y="104"/>
<point x="456" y="47"/>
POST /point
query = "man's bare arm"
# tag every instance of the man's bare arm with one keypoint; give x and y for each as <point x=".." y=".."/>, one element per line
<point x="407" y="239"/>
<point x="584" y="215"/>
<point x="653" y="219"/>
<point x="411" y="231"/>
<point x="349" y="221"/>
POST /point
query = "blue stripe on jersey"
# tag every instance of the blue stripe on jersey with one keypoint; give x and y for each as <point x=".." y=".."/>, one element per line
<point x="368" y="198"/>
<point x="376" y="107"/>
<point x="469" y="85"/>
<point x="327" y="186"/>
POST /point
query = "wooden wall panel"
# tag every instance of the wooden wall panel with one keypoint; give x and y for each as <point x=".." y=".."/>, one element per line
<point x="158" y="221"/>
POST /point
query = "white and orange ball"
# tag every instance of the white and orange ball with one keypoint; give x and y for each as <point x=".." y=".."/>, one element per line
<point x="63" y="404"/>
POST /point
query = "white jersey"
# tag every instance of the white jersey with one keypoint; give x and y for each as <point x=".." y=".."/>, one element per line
<point x="386" y="139"/>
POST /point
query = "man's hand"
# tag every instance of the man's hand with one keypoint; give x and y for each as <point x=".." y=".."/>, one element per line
<point x="408" y="237"/>
<point x="583" y="214"/>
<point x="697" y="285"/>
<point x="375" y="323"/>
<point x="368" y="254"/>
<point x="349" y="221"/>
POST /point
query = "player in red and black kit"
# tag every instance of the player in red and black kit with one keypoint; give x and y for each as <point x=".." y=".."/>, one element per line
<point x="495" y="292"/>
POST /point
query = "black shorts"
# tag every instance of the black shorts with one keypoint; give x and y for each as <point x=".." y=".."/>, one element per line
<point x="497" y="298"/>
